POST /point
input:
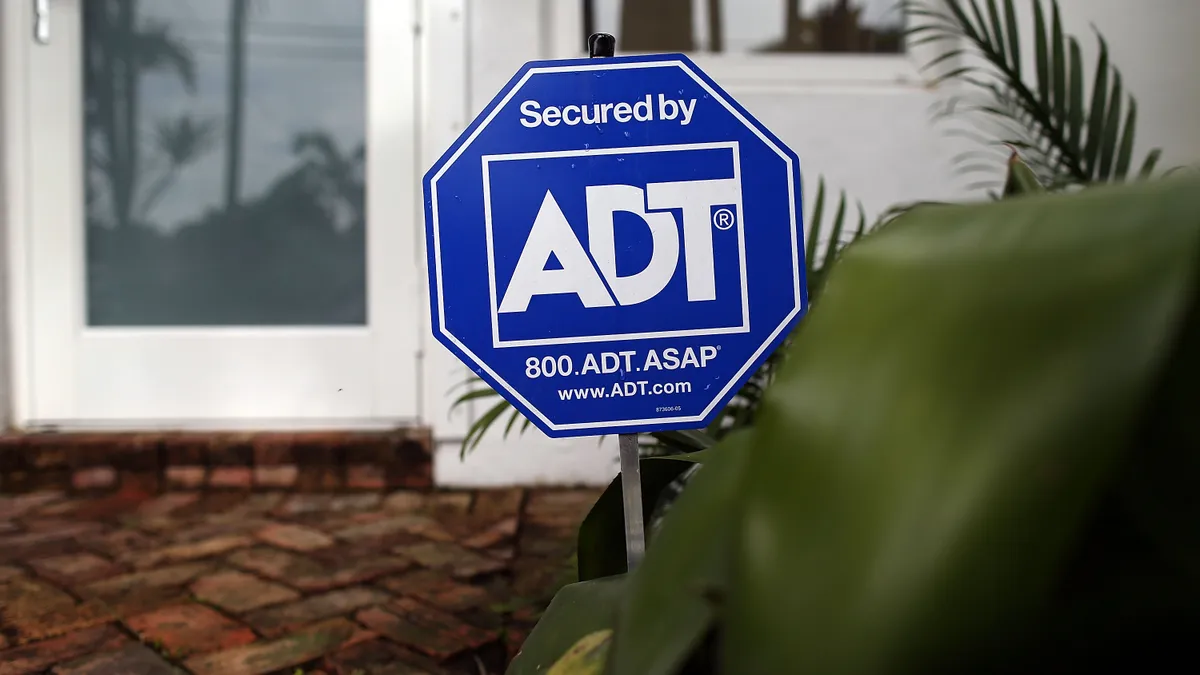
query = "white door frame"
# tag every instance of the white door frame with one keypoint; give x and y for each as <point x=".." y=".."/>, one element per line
<point x="445" y="53"/>
<point x="232" y="377"/>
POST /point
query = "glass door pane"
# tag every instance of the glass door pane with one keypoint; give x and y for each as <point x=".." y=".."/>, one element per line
<point x="750" y="26"/>
<point x="225" y="157"/>
<point x="193" y="229"/>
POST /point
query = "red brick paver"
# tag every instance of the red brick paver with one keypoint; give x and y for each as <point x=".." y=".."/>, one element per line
<point x="235" y="582"/>
<point x="188" y="628"/>
<point x="238" y="592"/>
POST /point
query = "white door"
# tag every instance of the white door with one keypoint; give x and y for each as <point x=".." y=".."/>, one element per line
<point x="217" y="212"/>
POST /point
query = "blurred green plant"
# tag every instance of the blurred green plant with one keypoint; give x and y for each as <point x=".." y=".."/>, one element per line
<point x="1006" y="484"/>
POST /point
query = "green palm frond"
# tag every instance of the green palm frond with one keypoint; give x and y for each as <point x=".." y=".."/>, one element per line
<point x="840" y="232"/>
<point x="1021" y="179"/>
<point x="827" y="236"/>
<point x="1072" y="126"/>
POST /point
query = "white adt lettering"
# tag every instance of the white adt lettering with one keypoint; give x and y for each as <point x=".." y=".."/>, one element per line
<point x="696" y="198"/>
<point x="551" y="235"/>
<point x="603" y="202"/>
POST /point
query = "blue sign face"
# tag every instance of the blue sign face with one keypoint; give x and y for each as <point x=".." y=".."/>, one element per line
<point x="615" y="245"/>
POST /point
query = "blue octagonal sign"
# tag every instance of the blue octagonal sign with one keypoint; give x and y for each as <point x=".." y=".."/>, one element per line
<point x="615" y="245"/>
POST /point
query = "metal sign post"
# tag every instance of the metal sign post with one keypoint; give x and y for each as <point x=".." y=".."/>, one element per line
<point x="601" y="45"/>
<point x="631" y="493"/>
<point x="614" y="245"/>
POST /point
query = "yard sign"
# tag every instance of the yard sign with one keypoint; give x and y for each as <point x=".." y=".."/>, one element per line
<point x="615" y="245"/>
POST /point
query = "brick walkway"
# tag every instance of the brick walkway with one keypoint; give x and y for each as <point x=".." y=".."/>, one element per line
<point x="255" y="583"/>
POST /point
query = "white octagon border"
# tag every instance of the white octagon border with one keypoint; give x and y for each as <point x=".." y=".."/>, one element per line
<point x="620" y="65"/>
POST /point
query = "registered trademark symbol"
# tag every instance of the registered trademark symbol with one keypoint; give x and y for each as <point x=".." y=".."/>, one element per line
<point x="723" y="219"/>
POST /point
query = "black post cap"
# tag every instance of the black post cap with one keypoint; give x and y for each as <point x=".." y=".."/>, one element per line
<point x="601" y="45"/>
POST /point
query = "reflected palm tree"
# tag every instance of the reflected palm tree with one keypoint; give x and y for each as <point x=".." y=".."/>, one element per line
<point x="117" y="53"/>
<point x="793" y="28"/>
<point x="716" y="27"/>
<point x="834" y="27"/>
<point x="337" y="179"/>
<point x="589" y="18"/>
<point x="236" y="100"/>
<point x="292" y="253"/>
<point x="657" y="26"/>
<point x="181" y="141"/>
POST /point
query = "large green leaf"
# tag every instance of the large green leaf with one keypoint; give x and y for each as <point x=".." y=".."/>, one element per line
<point x="602" y="533"/>
<point x="674" y="596"/>
<point x="578" y="611"/>
<point x="943" y="429"/>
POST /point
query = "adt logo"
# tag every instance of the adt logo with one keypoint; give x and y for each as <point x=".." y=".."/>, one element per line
<point x="614" y="245"/>
<point x="573" y="245"/>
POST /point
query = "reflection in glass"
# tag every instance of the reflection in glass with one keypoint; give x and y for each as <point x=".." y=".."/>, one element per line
<point x="225" y="162"/>
<point x="732" y="26"/>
